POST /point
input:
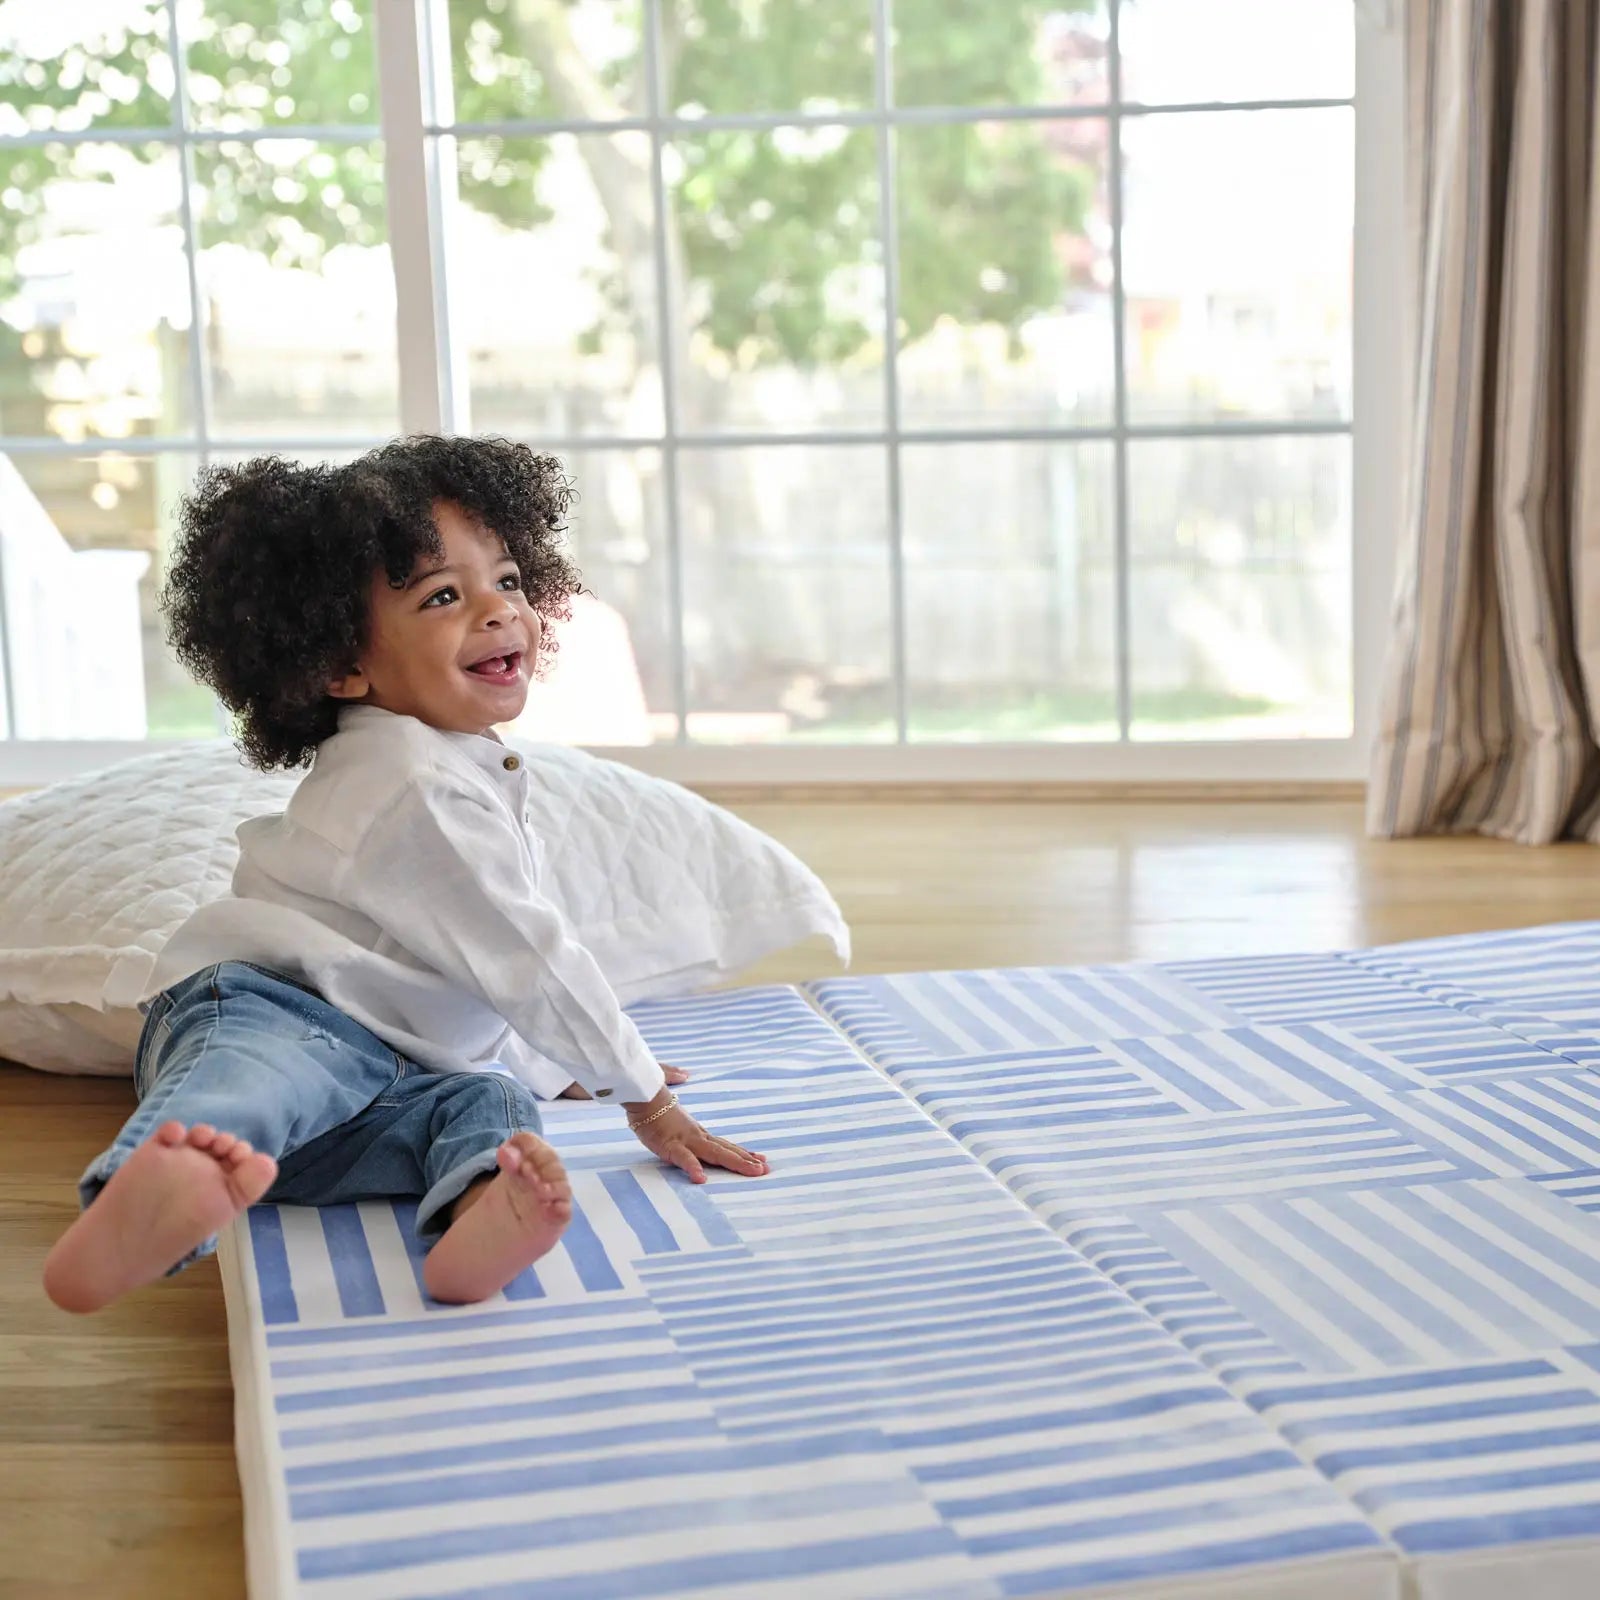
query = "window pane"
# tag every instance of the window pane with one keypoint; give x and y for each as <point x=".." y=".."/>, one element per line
<point x="83" y="542"/>
<point x="552" y="285"/>
<point x="94" y="293"/>
<point x="1021" y="53"/>
<point x="1175" y="51"/>
<point x="579" y="60"/>
<point x="768" y="55"/>
<point x="252" y="66"/>
<point x="1010" y="564"/>
<point x="612" y="679"/>
<point x="780" y="279"/>
<point x="1239" y="291"/>
<point x="1241" y="588"/>
<point x="1005" y="274"/>
<point x="71" y="68"/>
<point x="299" y="293"/>
<point x="786" y="594"/>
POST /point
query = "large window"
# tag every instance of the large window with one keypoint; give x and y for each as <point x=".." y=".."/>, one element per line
<point x="951" y="386"/>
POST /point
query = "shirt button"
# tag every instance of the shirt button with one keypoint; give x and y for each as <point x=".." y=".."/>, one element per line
<point x="511" y="763"/>
<point x="602" y="1094"/>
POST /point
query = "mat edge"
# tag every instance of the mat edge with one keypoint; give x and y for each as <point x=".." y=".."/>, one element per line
<point x="269" y="1559"/>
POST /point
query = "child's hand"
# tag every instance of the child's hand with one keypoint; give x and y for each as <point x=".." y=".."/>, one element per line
<point x="668" y="1132"/>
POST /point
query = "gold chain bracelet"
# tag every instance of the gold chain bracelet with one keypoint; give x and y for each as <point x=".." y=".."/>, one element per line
<point x="655" y="1116"/>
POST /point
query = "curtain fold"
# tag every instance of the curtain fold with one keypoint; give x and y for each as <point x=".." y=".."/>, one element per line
<point x="1487" y="718"/>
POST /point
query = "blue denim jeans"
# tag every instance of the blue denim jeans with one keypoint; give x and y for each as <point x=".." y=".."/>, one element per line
<point x="257" y="1055"/>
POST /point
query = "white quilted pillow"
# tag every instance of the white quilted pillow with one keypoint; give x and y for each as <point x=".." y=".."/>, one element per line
<point x="668" y="891"/>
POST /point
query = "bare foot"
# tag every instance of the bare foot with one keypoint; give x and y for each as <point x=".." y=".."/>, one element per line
<point x="502" y="1226"/>
<point x="177" y="1189"/>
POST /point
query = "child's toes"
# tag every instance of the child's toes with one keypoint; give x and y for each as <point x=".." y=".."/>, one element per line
<point x="526" y="1174"/>
<point x="539" y="1169"/>
<point x="171" y="1134"/>
<point x="202" y="1135"/>
<point x="223" y="1145"/>
<point x="239" y="1151"/>
<point x="547" y="1165"/>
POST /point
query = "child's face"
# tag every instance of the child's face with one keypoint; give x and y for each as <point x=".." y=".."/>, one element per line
<point x="455" y="647"/>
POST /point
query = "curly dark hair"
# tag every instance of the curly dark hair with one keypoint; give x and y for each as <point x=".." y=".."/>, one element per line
<point x="266" y="593"/>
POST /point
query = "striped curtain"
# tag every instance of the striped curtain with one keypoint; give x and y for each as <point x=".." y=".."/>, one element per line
<point x="1491" y="692"/>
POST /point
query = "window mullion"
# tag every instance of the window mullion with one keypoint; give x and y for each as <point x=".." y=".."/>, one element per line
<point x="400" y="45"/>
<point x="199" y="377"/>
<point x="1119" y="365"/>
<point x="1380" y="405"/>
<point x="199" y="371"/>
<point x="666" y="357"/>
<point x="888" y="222"/>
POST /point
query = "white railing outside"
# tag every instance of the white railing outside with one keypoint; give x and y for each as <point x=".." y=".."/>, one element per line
<point x="71" y="651"/>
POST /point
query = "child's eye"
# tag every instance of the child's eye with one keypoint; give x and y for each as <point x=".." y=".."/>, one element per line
<point x="438" y="595"/>
<point x="511" y="581"/>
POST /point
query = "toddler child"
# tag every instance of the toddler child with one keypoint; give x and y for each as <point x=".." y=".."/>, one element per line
<point x="363" y="1015"/>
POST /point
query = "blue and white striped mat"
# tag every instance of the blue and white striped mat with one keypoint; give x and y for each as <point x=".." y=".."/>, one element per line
<point x="1362" y="1190"/>
<point x="1275" y="1279"/>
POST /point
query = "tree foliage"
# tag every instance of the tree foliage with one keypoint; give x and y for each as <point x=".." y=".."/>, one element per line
<point x="776" y="230"/>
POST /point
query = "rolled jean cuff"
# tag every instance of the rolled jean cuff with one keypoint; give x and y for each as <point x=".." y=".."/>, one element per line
<point x="99" y="1173"/>
<point x="431" y="1219"/>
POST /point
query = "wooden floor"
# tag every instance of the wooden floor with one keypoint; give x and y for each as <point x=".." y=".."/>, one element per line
<point x="116" y="1459"/>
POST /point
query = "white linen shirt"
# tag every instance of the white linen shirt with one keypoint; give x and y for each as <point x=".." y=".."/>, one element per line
<point x="403" y="885"/>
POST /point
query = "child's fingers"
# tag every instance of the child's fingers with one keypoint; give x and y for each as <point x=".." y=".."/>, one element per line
<point x="680" y="1155"/>
<point x="726" y="1152"/>
<point x="730" y="1157"/>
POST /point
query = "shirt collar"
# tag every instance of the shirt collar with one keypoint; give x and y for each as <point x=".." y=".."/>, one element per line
<point x="483" y="750"/>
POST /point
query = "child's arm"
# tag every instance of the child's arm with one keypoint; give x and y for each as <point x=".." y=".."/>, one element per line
<point x="451" y="882"/>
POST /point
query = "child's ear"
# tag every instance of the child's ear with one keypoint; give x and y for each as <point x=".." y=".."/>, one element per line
<point x="352" y="685"/>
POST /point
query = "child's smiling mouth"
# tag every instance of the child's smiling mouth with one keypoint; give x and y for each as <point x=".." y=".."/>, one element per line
<point x="504" y="669"/>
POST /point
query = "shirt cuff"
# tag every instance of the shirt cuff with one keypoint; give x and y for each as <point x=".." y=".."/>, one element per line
<point x="634" y="1079"/>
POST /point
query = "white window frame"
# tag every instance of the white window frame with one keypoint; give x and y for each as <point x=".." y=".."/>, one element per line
<point x="415" y="125"/>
